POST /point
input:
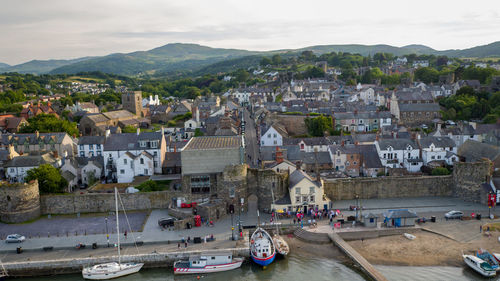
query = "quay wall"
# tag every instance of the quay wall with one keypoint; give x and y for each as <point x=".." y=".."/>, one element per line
<point x="75" y="265"/>
<point x="104" y="202"/>
<point x="388" y="187"/>
<point x="20" y="202"/>
<point x="377" y="232"/>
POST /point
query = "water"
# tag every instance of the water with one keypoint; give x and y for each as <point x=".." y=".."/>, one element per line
<point x="293" y="267"/>
<point x="296" y="267"/>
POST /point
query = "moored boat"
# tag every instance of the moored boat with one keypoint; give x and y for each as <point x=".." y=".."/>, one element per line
<point x="280" y="245"/>
<point x="112" y="270"/>
<point x="489" y="258"/>
<point x="409" y="236"/>
<point x="208" y="263"/>
<point x="479" y="265"/>
<point x="262" y="248"/>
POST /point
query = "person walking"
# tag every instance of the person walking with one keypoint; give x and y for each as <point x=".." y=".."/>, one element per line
<point x="178" y="245"/>
<point x="125" y="234"/>
<point x="480" y="228"/>
<point x="185" y="244"/>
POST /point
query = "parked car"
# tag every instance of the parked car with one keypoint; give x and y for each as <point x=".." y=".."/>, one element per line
<point x="453" y="215"/>
<point x="166" y="222"/>
<point x="15" y="238"/>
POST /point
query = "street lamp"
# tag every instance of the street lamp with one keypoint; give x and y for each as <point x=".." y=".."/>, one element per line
<point x="357" y="204"/>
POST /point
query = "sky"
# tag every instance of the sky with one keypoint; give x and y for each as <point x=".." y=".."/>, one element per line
<point x="64" y="29"/>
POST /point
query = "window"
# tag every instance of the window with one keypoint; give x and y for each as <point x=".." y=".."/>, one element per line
<point x="154" y="144"/>
<point x="338" y="160"/>
<point x="155" y="164"/>
<point x="409" y="155"/>
<point x="122" y="172"/>
<point x="12" y="170"/>
<point x="125" y="161"/>
<point x="91" y="147"/>
<point x="275" y="136"/>
<point x="304" y="198"/>
<point x="82" y="153"/>
<point x="81" y="147"/>
<point x="268" y="136"/>
<point x="347" y="163"/>
<point x="297" y="199"/>
<point x="433" y="157"/>
<point x="297" y="190"/>
<point x="142" y="160"/>
<point x="439" y="156"/>
<point x="155" y="153"/>
<point x="145" y="171"/>
<point x="354" y="163"/>
<point x="91" y="154"/>
<point x="142" y="143"/>
<point x="275" y="142"/>
<point x="311" y="189"/>
<point x="262" y="142"/>
<point x="98" y="146"/>
<point x="99" y="153"/>
<point x="311" y="198"/>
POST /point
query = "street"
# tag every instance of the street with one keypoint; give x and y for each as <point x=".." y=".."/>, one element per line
<point x="252" y="145"/>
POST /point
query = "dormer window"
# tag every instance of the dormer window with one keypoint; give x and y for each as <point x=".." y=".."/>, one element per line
<point x="142" y="143"/>
<point x="154" y="144"/>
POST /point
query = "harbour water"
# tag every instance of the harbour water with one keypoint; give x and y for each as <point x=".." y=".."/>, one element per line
<point x="296" y="267"/>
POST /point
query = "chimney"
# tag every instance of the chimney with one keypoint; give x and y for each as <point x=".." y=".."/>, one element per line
<point x="55" y="153"/>
<point x="107" y="133"/>
<point x="138" y="131"/>
<point x="279" y="155"/>
<point x="162" y="130"/>
<point x="342" y="143"/>
<point x="298" y="165"/>
<point x="197" y="117"/>
<point x="175" y="148"/>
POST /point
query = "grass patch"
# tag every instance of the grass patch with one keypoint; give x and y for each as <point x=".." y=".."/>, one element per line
<point x="494" y="226"/>
<point x="151" y="185"/>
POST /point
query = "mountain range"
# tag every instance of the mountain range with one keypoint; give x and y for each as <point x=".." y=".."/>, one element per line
<point x="192" y="58"/>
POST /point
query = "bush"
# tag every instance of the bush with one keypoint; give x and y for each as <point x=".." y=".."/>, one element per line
<point x="151" y="185"/>
<point x="440" y="171"/>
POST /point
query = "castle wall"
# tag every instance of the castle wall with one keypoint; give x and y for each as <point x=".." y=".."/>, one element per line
<point x="19" y="202"/>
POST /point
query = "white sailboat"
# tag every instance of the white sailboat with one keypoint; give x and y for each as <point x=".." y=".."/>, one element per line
<point x="111" y="270"/>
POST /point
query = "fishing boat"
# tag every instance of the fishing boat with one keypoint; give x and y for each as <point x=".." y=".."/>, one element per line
<point x="489" y="258"/>
<point x="112" y="270"/>
<point x="279" y="243"/>
<point x="262" y="249"/>
<point x="479" y="265"/>
<point x="208" y="263"/>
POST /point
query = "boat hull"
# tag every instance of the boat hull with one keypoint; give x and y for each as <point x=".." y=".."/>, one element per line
<point x="264" y="262"/>
<point x="209" y="268"/>
<point x="478" y="270"/>
<point x="126" y="269"/>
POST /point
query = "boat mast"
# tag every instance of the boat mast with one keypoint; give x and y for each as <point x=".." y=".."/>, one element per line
<point x="117" y="225"/>
<point x="275" y="214"/>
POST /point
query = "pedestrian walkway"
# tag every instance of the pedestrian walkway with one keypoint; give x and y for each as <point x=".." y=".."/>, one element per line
<point x="356" y="257"/>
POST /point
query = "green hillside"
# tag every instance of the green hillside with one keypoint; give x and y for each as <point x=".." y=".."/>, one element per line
<point x="41" y="66"/>
<point x="3" y="65"/>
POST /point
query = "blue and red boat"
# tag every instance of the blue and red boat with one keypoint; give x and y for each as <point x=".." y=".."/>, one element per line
<point x="262" y="248"/>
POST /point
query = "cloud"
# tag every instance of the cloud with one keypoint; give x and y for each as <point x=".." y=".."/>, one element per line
<point x="33" y="29"/>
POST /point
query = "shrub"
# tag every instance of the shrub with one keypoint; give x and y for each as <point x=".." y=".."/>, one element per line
<point x="440" y="171"/>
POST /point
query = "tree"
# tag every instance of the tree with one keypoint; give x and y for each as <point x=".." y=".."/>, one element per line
<point x="317" y="127"/>
<point x="129" y="129"/>
<point x="276" y="59"/>
<point x="198" y="132"/>
<point x="427" y="75"/>
<point x="314" y="72"/>
<point x="440" y="171"/>
<point x="49" y="179"/>
<point x="265" y="61"/>
<point x="242" y="75"/>
<point x="48" y="123"/>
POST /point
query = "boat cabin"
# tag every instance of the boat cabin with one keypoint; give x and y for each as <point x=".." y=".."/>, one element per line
<point x="210" y="259"/>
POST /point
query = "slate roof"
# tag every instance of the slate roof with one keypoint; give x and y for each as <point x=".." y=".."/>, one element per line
<point x="371" y="158"/>
<point x="419" y="107"/>
<point x="400" y="213"/>
<point x="32" y="139"/>
<point x="299" y="175"/>
<point x="362" y="115"/>
<point x="414" y="94"/>
<point x="474" y="151"/>
<point x="284" y="201"/>
<point x="213" y="142"/>
<point x="130" y="141"/>
<point x="437" y="141"/>
<point x="172" y="159"/>
<point x="91" y="140"/>
<point x="30" y="160"/>
<point x="313" y="157"/>
<point x="118" y="114"/>
<point x="396" y="144"/>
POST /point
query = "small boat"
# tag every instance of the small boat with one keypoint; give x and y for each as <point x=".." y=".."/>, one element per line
<point x="208" y="263"/>
<point x="262" y="249"/>
<point x="409" y="236"/>
<point x="112" y="270"/>
<point x="496" y="256"/>
<point x="479" y="265"/>
<point x="489" y="258"/>
<point x="280" y="245"/>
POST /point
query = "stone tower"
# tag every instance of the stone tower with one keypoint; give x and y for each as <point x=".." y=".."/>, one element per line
<point x="132" y="101"/>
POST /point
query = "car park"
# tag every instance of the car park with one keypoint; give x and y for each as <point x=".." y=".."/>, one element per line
<point x="453" y="215"/>
<point x="15" y="238"/>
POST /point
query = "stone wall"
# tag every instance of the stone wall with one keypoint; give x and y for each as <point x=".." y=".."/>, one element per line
<point x="294" y="124"/>
<point x="19" y="202"/>
<point x="388" y="187"/>
<point x="468" y="178"/>
<point x="260" y="182"/>
<point x="97" y="203"/>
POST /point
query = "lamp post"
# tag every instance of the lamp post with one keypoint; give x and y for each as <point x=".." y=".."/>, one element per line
<point x="107" y="234"/>
<point x="357" y="204"/>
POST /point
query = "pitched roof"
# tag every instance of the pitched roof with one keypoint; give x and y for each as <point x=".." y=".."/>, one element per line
<point x="400" y="213"/>
<point x="396" y="144"/>
<point x="130" y="141"/>
<point x="371" y="158"/>
<point x="118" y="114"/>
<point x="213" y="142"/>
<point x="437" y="141"/>
<point x="91" y="140"/>
<point x="474" y="151"/>
<point x="299" y="175"/>
<point x="416" y="107"/>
